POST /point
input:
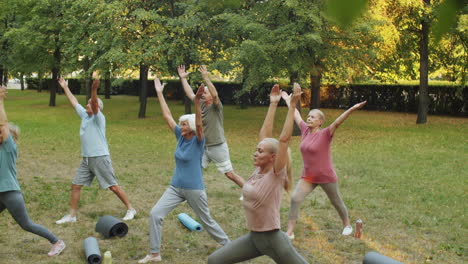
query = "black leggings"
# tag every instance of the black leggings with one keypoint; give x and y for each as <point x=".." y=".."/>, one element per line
<point x="13" y="201"/>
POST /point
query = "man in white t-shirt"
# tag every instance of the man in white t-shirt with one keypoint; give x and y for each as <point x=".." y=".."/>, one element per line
<point x="96" y="160"/>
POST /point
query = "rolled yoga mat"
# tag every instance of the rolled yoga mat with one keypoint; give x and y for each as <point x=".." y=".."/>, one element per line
<point x="376" y="258"/>
<point x="110" y="226"/>
<point x="92" y="252"/>
<point x="187" y="221"/>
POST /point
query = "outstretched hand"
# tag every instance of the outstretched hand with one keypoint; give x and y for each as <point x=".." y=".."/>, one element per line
<point x="203" y="71"/>
<point x="3" y="92"/>
<point x="296" y="94"/>
<point x="63" y="83"/>
<point x="182" y="72"/>
<point x="200" y="91"/>
<point x="286" y="97"/>
<point x="359" y="105"/>
<point x="275" y="94"/>
<point x="158" y="86"/>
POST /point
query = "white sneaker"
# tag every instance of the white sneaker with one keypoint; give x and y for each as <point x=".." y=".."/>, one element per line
<point x="57" y="248"/>
<point x="150" y="258"/>
<point x="241" y="198"/>
<point x="130" y="215"/>
<point x="291" y="237"/>
<point x="66" y="219"/>
<point x="347" y="230"/>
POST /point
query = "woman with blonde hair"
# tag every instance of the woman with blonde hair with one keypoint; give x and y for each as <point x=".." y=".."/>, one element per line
<point x="11" y="197"/>
<point x="262" y="195"/>
<point x="317" y="163"/>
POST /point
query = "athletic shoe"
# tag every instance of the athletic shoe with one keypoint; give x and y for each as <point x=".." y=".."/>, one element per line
<point x="150" y="258"/>
<point x="241" y="198"/>
<point x="66" y="219"/>
<point x="57" y="248"/>
<point x="130" y="215"/>
<point x="291" y="237"/>
<point x="347" y="230"/>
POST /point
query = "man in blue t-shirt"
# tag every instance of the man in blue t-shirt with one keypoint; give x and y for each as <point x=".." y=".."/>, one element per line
<point x="95" y="151"/>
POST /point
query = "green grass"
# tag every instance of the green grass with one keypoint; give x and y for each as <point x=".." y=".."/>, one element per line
<point x="407" y="182"/>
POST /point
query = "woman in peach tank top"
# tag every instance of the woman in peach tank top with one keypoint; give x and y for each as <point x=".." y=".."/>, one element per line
<point x="262" y="196"/>
<point x="317" y="164"/>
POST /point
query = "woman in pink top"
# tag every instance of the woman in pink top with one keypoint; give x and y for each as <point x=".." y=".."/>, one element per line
<point x="262" y="196"/>
<point x="317" y="163"/>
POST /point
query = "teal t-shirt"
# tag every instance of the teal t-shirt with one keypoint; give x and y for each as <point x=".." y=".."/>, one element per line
<point x="188" y="156"/>
<point x="92" y="133"/>
<point x="8" y="156"/>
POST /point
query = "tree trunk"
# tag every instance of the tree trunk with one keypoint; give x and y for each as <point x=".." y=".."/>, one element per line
<point x="22" y="81"/>
<point x="1" y="74"/>
<point x="87" y="77"/>
<point x="423" y="106"/>
<point x="143" y="89"/>
<point x="315" y="81"/>
<point x="5" y="76"/>
<point x="107" y="85"/>
<point x="55" y="74"/>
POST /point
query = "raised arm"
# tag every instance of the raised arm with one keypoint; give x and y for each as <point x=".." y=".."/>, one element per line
<point x="267" y="127"/>
<point x="286" y="133"/>
<point x="198" y="118"/>
<point x="211" y="87"/>
<point x="287" y="99"/>
<point x="3" y="117"/>
<point x="183" y="78"/>
<point x="344" y="116"/>
<point x="94" y="97"/>
<point x="71" y="98"/>
<point x="164" y="108"/>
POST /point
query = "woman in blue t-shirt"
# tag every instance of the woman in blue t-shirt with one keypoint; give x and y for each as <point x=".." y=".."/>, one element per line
<point x="187" y="181"/>
<point x="10" y="192"/>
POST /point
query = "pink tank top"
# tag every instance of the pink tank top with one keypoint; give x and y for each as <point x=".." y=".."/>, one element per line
<point x="316" y="156"/>
<point x="262" y="199"/>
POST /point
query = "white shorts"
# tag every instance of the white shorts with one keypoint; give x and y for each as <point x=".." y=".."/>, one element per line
<point x="219" y="154"/>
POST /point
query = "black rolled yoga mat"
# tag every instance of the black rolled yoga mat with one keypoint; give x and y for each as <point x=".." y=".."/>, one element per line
<point x="92" y="252"/>
<point x="376" y="258"/>
<point x="110" y="226"/>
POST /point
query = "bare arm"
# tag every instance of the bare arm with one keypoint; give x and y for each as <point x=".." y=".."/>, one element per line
<point x="94" y="97"/>
<point x="344" y="116"/>
<point x="211" y="87"/>
<point x="282" y="153"/>
<point x="287" y="100"/>
<point x="183" y="78"/>
<point x="267" y="127"/>
<point x="164" y="108"/>
<point x="3" y="117"/>
<point x="198" y="118"/>
<point x="71" y="98"/>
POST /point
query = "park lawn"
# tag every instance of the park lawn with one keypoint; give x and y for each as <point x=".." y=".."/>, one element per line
<point x="407" y="182"/>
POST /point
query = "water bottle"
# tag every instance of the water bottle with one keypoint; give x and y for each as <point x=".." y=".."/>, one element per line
<point x="107" y="258"/>
<point x="358" y="232"/>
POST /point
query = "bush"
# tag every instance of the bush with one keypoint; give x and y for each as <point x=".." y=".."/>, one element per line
<point x="444" y="99"/>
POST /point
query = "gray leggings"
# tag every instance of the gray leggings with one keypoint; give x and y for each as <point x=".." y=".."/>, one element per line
<point x="13" y="201"/>
<point x="303" y="188"/>
<point x="171" y="198"/>
<point x="274" y="244"/>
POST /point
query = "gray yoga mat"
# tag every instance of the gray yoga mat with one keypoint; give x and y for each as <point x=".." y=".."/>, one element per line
<point x="376" y="258"/>
<point x="110" y="226"/>
<point x="92" y="252"/>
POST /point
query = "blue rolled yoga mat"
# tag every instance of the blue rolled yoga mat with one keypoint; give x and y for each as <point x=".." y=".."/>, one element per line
<point x="110" y="226"/>
<point x="187" y="221"/>
<point x="376" y="258"/>
<point x="92" y="252"/>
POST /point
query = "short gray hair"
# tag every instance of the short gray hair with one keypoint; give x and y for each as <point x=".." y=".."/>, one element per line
<point x="190" y="118"/>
